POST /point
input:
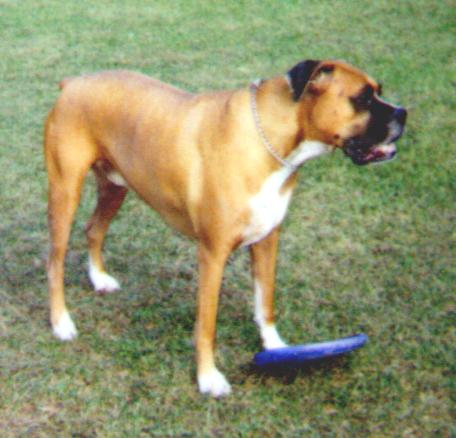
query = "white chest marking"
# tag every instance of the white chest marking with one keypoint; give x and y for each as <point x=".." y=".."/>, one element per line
<point x="307" y="150"/>
<point x="269" y="206"/>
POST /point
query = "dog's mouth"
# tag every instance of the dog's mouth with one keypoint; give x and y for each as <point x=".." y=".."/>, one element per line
<point x="362" y="154"/>
<point x="377" y="144"/>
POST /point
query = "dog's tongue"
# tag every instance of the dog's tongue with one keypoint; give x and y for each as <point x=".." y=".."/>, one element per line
<point x="374" y="154"/>
<point x="379" y="152"/>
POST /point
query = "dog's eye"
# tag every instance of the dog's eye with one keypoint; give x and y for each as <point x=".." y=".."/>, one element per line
<point x="364" y="99"/>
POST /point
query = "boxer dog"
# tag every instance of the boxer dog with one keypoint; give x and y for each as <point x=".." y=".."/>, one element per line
<point x="219" y="167"/>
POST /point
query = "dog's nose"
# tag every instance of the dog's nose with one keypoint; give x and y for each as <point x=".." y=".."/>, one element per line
<point x="400" y="115"/>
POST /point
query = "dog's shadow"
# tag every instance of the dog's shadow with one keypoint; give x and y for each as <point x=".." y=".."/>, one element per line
<point x="287" y="373"/>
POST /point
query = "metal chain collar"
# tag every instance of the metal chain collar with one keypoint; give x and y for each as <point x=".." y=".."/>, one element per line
<point x="266" y="142"/>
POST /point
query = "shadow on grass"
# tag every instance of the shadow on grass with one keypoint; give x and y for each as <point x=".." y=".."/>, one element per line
<point x="287" y="374"/>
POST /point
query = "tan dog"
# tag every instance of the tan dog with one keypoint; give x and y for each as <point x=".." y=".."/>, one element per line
<point x="219" y="167"/>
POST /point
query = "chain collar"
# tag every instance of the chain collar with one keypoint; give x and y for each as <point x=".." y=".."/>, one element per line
<point x="256" y="118"/>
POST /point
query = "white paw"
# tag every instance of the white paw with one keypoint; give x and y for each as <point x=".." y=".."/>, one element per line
<point x="101" y="281"/>
<point x="214" y="383"/>
<point x="271" y="338"/>
<point x="65" y="329"/>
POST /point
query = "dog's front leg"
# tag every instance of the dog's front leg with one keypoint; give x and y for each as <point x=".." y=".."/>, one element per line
<point x="264" y="256"/>
<point x="211" y="265"/>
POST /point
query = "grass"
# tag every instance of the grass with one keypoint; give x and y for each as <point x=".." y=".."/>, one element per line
<point x="369" y="249"/>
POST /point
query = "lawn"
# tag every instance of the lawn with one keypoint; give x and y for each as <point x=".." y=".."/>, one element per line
<point x="363" y="249"/>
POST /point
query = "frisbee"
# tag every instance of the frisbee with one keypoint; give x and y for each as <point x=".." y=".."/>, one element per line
<point x="296" y="355"/>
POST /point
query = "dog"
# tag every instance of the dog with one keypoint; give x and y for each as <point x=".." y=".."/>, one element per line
<point x="219" y="167"/>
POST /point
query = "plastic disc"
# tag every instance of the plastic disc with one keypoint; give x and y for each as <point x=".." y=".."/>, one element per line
<point x="298" y="354"/>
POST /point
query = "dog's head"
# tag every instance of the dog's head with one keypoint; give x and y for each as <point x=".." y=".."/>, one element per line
<point x="341" y="106"/>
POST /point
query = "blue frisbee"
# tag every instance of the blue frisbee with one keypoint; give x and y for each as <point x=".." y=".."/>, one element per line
<point x="296" y="355"/>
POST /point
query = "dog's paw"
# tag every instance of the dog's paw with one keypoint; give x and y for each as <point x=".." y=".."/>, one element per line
<point x="214" y="383"/>
<point x="65" y="329"/>
<point x="271" y="338"/>
<point x="104" y="283"/>
<point x="101" y="281"/>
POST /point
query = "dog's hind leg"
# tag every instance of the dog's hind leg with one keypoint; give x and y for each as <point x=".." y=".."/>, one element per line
<point x="68" y="159"/>
<point x="110" y="198"/>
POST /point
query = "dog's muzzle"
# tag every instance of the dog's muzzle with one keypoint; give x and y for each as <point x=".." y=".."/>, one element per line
<point x="364" y="150"/>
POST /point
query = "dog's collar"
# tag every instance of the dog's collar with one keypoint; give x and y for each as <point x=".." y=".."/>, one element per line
<point x="256" y="118"/>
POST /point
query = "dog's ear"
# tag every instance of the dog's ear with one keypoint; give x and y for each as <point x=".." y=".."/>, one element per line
<point x="311" y="73"/>
<point x="299" y="75"/>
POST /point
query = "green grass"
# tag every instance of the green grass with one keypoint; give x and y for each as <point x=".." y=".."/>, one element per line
<point x="369" y="249"/>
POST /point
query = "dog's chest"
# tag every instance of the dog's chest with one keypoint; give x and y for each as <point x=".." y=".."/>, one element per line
<point x="267" y="208"/>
